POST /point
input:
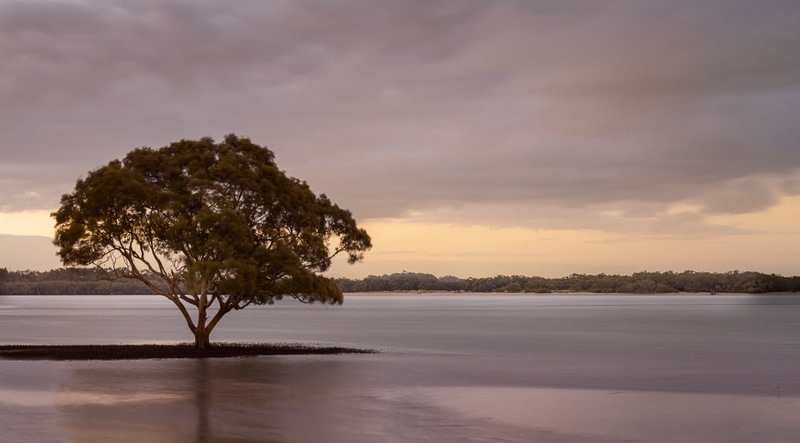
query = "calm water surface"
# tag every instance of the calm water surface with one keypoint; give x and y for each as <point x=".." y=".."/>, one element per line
<point x="455" y="368"/>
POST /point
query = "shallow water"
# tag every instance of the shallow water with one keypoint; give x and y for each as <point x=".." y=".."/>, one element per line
<point x="455" y="368"/>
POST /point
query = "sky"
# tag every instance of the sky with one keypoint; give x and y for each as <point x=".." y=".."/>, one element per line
<point x="470" y="138"/>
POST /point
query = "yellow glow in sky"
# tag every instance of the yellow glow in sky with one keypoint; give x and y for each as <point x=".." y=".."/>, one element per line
<point x="766" y="241"/>
<point x="27" y="223"/>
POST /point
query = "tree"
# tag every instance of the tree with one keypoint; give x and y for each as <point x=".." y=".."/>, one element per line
<point x="207" y="225"/>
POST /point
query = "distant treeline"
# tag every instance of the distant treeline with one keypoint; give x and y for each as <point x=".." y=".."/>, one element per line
<point x="80" y="281"/>
<point x="638" y="283"/>
<point x="71" y="281"/>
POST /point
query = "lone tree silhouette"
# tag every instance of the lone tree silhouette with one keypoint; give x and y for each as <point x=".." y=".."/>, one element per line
<point x="209" y="225"/>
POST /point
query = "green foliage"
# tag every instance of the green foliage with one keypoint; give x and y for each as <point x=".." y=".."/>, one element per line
<point x="211" y="223"/>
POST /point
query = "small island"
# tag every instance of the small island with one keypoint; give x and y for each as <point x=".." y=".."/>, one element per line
<point x="166" y="351"/>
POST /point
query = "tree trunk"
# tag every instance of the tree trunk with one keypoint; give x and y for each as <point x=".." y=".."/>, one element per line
<point x="201" y="340"/>
<point x="201" y="331"/>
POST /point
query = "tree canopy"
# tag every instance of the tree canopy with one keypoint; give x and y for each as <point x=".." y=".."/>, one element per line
<point x="207" y="224"/>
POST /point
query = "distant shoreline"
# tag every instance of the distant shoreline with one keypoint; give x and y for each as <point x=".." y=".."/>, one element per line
<point x="85" y="281"/>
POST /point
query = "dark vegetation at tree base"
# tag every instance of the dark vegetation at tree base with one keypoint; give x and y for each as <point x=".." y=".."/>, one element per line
<point x="183" y="350"/>
<point x="638" y="283"/>
<point x="82" y="281"/>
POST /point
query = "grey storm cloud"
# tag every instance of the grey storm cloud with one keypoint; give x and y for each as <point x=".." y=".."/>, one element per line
<point x="413" y="105"/>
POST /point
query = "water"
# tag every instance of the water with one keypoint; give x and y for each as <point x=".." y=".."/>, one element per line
<point x="454" y="369"/>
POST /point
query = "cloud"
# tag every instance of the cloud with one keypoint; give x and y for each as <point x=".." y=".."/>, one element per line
<point x="392" y="107"/>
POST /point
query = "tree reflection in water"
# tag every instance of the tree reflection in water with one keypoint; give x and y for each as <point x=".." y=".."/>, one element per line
<point x="202" y="388"/>
<point x="167" y="401"/>
<point x="246" y="400"/>
<point x="331" y="399"/>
